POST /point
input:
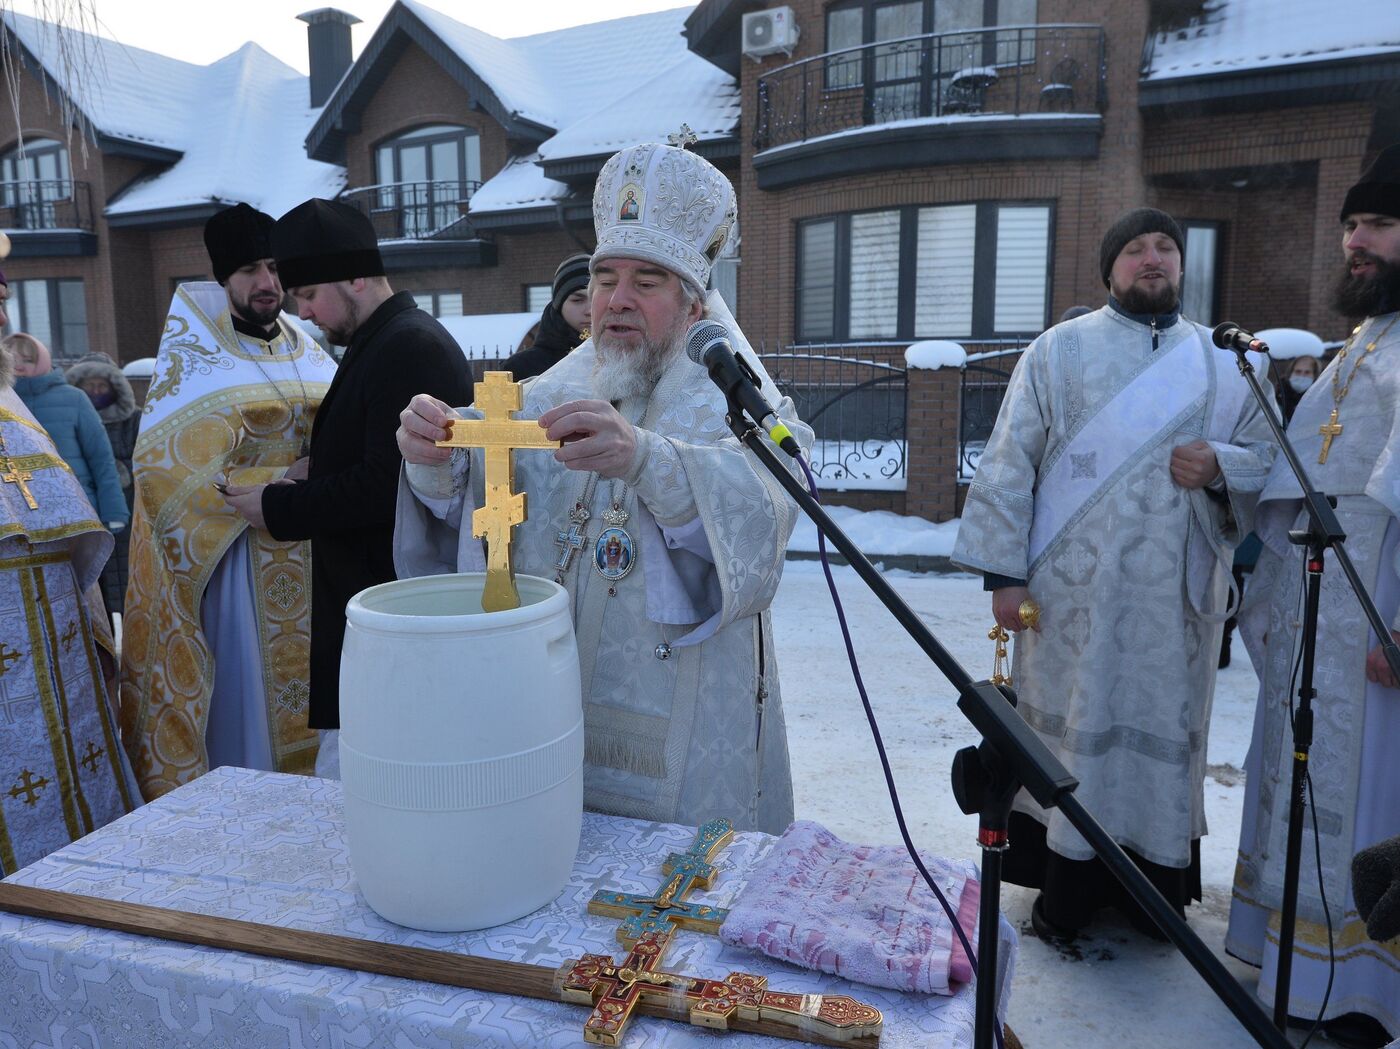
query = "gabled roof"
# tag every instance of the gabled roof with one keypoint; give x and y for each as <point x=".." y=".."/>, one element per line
<point x="1243" y="36"/>
<point x="539" y="87"/>
<point x="223" y="128"/>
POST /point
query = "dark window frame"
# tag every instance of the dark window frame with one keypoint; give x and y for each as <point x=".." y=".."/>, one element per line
<point x="57" y="341"/>
<point x="1217" y="263"/>
<point x="985" y="254"/>
<point x="525" y="290"/>
<point x="34" y="210"/>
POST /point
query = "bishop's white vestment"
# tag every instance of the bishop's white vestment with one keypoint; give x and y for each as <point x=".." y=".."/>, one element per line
<point x="1074" y="495"/>
<point x="699" y="734"/>
<point x="1355" y="782"/>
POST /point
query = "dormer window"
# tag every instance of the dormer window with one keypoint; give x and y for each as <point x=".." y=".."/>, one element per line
<point x="428" y="174"/>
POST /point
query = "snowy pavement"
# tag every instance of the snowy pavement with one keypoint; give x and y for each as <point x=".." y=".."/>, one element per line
<point x="1114" y="988"/>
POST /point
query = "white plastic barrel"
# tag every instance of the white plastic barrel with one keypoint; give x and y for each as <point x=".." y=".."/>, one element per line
<point x="461" y="750"/>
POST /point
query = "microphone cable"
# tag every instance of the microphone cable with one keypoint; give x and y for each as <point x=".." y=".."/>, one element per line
<point x="880" y="749"/>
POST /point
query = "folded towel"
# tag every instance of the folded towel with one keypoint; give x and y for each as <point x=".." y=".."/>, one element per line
<point x="862" y="912"/>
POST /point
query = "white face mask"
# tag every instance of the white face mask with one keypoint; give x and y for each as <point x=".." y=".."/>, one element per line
<point x="1300" y="383"/>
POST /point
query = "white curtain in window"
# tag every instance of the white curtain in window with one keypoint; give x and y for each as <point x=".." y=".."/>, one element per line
<point x="1198" y="276"/>
<point x="874" y="311"/>
<point x="816" y="308"/>
<point x="1023" y="245"/>
<point x="944" y="271"/>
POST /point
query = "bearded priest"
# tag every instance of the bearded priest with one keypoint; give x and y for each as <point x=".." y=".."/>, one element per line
<point x="216" y="649"/>
<point x="667" y="533"/>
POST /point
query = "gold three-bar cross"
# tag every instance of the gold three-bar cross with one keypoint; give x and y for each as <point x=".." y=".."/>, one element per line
<point x="498" y="396"/>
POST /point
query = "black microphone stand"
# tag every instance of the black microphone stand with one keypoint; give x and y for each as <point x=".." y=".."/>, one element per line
<point x="1324" y="532"/>
<point x="987" y="777"/>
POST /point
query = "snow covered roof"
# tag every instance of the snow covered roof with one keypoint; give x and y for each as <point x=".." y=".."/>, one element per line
<point x="579" y="92"/>
<point x="228" y="123"/>
<point x="1242" y="35"/>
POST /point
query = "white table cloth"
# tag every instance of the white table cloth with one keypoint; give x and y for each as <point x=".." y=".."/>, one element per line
<point x="271" y="848"/>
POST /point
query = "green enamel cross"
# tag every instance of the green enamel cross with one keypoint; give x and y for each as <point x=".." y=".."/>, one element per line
<point x="687" y="871"/>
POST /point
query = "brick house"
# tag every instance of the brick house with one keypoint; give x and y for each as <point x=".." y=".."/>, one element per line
<point x="906" y="170"/>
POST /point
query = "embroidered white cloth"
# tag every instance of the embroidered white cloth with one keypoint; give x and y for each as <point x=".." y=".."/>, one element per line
<point x="269" y="847"/>
<point x="859" y="911"/>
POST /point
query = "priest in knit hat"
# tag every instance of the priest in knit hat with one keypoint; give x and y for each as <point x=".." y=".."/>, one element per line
<point x="1122" y="471"/>
<point x="1346" y="429"/>
<point x="667" y="533"/>
<point x="328" y="259"/>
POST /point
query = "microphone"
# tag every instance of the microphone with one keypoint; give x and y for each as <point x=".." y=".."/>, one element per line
<point x="707" y="344"/>
<point x="1230" y="336"/>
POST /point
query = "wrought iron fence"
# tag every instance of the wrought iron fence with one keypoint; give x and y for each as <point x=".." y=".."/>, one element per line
<point x="992" y="71"/>
<point x="416" y="210"/>
<point x="857" y="407"/>
<point x="985" y="377"/>
<point x="41" y="204"/>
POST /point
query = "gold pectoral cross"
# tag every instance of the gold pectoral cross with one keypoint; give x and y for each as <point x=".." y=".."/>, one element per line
<point x="14" y="475"/>
<point x="1331" y="428"/>
<point x="499" y="433"/>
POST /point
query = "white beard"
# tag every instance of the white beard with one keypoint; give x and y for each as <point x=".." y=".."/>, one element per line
<point x="620" y="374"/>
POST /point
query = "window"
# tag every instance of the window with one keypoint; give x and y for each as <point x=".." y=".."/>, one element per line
<point x="439" y="303"/>
<point x="897" y="72"/>
<point x="54" y="312"/>
<point x="30" y="184"/>
<point x="960" y="271"/>
<point x="537" y="297"/>
<point x="427" y="175"/>
<point x="1199" y="270"/>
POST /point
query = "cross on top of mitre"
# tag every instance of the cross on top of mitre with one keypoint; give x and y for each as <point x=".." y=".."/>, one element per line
<point x="683" y="138"/>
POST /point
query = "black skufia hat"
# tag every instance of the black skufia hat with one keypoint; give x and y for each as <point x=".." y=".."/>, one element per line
<point x="235" y="237"/>
<point x="1378" y="192"/>
<point x="322" y="241"/>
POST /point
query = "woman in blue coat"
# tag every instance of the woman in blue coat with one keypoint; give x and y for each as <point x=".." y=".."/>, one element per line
<point x="74" y="425"/>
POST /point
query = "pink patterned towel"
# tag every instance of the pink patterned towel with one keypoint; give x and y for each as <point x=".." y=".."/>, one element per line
<point x="862" y="912"/>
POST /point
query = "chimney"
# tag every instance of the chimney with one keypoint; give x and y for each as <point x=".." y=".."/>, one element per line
<point x="328" y="41"/>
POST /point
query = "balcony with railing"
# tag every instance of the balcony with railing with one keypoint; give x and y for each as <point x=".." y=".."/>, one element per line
<point x="423" y="224"/>
<point x="48" y="217"/>
<point x="995" y="93"/>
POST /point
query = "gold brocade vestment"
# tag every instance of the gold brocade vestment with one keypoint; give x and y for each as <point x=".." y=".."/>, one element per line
<point x="218" y="408"/>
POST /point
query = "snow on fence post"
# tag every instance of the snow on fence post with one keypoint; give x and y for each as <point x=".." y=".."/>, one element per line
<point x="935" y="382"/>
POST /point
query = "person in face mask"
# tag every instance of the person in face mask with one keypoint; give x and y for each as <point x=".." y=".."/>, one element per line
<point x="1301" y="375"/>
<point x="98" y="376"/>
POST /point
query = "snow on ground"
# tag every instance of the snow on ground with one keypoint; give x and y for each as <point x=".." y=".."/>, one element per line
<point x="880" y="532"/>
<point x="1113" y="989"/>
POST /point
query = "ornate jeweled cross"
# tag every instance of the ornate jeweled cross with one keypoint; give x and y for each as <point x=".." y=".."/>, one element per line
<point x="16" y="476"/>
<point x="569" y="543"/>
<point x="682" y="138"/>
<point x="499" y="433"/>
<point x="89" y="760"/>
<point x="8" y="655"/>
<point x="615" y="991"/>
<point x="1331" y="428"/>
<point x="688" y="871"/>
<point x="29" y="787"/>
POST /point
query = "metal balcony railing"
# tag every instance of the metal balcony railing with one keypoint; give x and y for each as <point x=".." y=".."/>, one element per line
<point x="47" y="204"/>
<point x="416" y="210"/>
<point x="993" y="71"/>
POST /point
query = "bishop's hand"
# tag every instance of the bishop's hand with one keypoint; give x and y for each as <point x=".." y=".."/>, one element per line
<point x="596" y="436"/>
<point x="421" y="424"/>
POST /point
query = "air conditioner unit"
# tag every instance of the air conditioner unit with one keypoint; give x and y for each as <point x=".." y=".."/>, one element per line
<point x="769" y="32"/>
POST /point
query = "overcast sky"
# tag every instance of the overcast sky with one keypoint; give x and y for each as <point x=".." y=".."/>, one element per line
<point x="200" y="31"/>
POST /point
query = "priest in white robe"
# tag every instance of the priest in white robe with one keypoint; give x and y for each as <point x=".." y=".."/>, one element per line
<point x="1122" y="471"/>
<point x="63" y="772"/>
<point x="667" y="533"/>
<point x="1346" y="429"/>
<point x="216" y="650"/>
